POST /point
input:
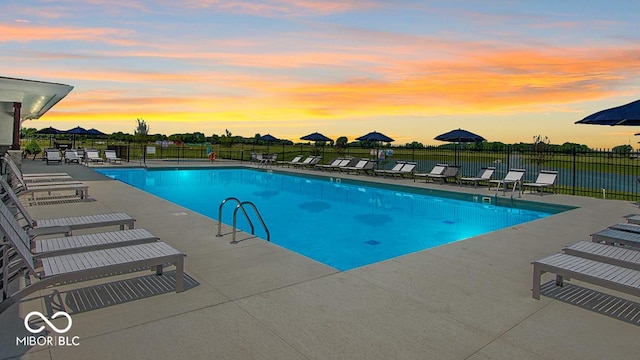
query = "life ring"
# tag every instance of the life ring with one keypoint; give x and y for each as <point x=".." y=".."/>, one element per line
<point x="212" y="156"/>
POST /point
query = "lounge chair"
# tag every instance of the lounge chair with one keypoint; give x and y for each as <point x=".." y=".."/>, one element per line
<point x="615" y="255"/>
<point x="293" y="161"/>
<point x="71" y="156"/>
<point x="92" y="156"/>
<point x="546" y="179"/>
<point x="343" y="163"/>
<point x="451" y="172"/>
<point x="334" y="162"/>
<point x="395" y="168"/>
<point x="361" y="165"/>
<point x="12" y="168"/>
<point x="81" y="266"/>
<point x="53" y="156"/>
<point x="513" y="178"/>
<point x="438" y="169"/>
<point x="595" y="272"/>
<point x="111" y="157"/>
<point x="612" y="236"/>
<point x="22" y="188"/>
<point x="308" y="161"/>
<point x="80" y="153"/>
<point x="70" y="244"/>
<point x="407" y="168"/>
<point x="484" y="174"/>
<point x="66" y="225"/>
<point x="633" y="219"/>
<point x="626" y="227"/>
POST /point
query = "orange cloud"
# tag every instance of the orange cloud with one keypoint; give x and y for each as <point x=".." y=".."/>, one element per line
<point x="21" y="32"/>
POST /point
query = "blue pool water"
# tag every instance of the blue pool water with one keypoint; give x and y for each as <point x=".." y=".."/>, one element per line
<point x="343" y="225"/>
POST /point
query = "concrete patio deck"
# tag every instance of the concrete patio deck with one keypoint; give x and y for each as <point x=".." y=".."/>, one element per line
<point x="255" y="300"/>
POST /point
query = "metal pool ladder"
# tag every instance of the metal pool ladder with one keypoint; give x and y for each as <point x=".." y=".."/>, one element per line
<point x="240" y="206"/>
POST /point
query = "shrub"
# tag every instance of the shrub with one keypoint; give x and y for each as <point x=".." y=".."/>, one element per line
<point x="32" y="148"/>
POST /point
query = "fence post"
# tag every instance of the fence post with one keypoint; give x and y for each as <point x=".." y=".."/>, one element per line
<point x="573" y="185"/>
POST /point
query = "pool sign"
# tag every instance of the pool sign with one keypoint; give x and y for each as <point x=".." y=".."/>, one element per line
<point x="42" y="340"/>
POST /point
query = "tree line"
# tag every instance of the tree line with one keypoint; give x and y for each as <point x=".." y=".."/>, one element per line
<point x="228" y="139"/>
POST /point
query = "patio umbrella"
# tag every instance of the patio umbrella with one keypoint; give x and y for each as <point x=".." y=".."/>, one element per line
<point x="459" y="136"/>
<point x="269" y="139"/>
<point x="51" y="131"/>
<point x="628" y="114"/>
<point x="375" y="137"/>
<point x="76" y="131"/>
<point x="94" y="132"/>
<point x="316" y="136"/>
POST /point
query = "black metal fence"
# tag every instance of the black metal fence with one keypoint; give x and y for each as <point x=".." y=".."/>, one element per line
<point x="594" y="173"/>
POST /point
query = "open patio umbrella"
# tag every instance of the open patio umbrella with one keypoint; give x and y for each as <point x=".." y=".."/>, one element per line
<point x="628" y="115"/>
<point x="76" y="131"/>
<point x="51" y="131"/>
<point x="269" y="139"/>
<point x="94" y="132"/>
<point x="459" y="136"/>
<point x="376" y="137"/>
<point x="316" y="136"/>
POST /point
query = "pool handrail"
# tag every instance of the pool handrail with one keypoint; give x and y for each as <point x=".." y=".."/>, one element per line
<point x="235" y="212"/>
<point x="234" y="217"/>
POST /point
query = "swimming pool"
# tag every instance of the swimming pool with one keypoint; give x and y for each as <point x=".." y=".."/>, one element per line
<point x="339" y="223"/>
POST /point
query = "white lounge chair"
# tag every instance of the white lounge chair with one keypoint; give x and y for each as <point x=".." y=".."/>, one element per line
<point x="65" y="225"/>
<point x="396" y="167"/>
<point x="305" y="162"/>
<point x="546" y="179"/>
<point x="343" y="163"/>
<point x="451" y="172"/>
<point x="12" y="168"/>
<point x="438" y="169"/>
<point x="293" y="161"/>
<point x="405" y="168"/>
<point x="513" y="178"/>
<point x="92" y="156"/>
<point x="111" y="157"/>
<point x="361" y="165"/>
<point x="333" y="163"/>
<point x="53" y="155"/>
<point x="484" y="174"/>
<point x="71" y="156"/>
<point x="80" y="266"/>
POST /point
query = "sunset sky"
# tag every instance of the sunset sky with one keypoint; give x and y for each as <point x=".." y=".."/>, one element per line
<point x="507" y="70"/>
